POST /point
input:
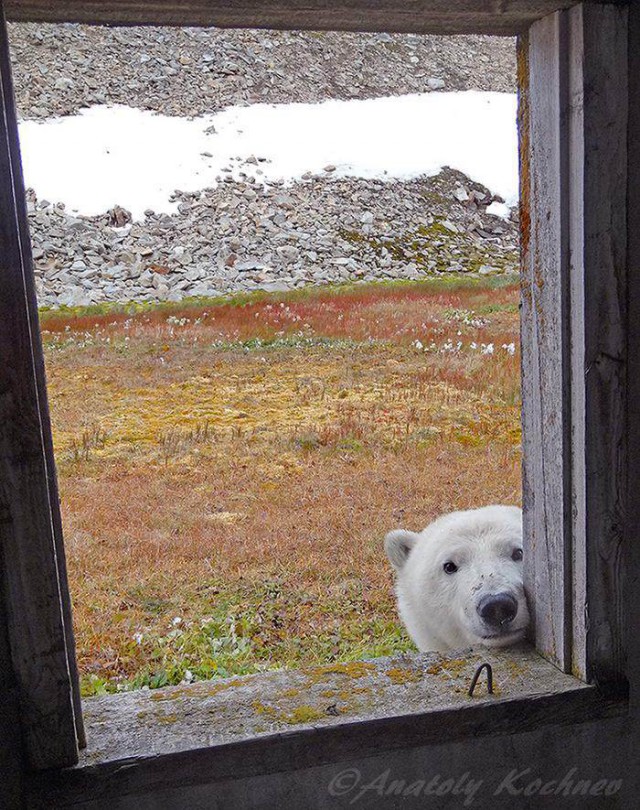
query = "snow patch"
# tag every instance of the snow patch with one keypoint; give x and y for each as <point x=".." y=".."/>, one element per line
<point x="137" y="159"/>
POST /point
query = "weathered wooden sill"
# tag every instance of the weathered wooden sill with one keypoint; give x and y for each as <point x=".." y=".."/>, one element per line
<point x="180" y="718"/>
<point x="274" y="721"/>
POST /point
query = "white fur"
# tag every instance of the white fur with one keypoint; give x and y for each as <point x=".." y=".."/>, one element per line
<point x="440" y="610"/>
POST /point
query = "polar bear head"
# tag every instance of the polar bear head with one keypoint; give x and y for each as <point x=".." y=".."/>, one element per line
<point x="459" y="581"/>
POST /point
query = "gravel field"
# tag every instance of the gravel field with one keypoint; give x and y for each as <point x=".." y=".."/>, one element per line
<point x="191" y="71"/>
<point x="241" y="236"/>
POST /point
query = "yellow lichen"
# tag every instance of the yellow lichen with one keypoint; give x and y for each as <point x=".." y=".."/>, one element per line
<point x="220" y="687"/>
<point x="166" y="719"/>
<point x="516" y="669"/>
<point x="303" y="714"/>
<point x="400" y="675"/>
<point x="300" y="714"/>
<point x="449" y="667"/>
<point x="174" y="694"/>
<point x="291" y="692"/>
<point x="352" y="669"/>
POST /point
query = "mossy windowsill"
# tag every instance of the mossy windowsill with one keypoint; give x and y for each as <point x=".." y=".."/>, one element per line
<point x="180" y="718"/>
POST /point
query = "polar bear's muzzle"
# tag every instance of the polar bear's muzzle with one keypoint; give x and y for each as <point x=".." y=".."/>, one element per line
<point x="497" y="611"/>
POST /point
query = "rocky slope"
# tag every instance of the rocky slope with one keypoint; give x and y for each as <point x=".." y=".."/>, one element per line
<point x="188" y="71"/>
<point x="239" y="236"/>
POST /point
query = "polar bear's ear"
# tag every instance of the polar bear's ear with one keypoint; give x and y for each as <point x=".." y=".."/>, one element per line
<point x="398" y="545"/>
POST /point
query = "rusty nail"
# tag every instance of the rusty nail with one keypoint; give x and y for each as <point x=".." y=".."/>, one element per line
<point x="477" y="674"/>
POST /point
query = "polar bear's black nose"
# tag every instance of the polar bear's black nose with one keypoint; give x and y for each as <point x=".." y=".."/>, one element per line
<point x="497" y="610"/>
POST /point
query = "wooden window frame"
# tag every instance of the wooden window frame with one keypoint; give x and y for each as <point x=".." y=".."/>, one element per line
<point x="573" y="128"/>
<point x="579" y="420"/>
<point x="36" y="592"/>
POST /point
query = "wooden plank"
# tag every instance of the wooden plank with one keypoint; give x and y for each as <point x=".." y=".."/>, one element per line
<point x="36" y="598"/>
<point x="11" y="753"/>
<point x="135" y="724"/>
<point x="631" y="547"/>
<point x="101" y="784"/>
<point x="598" y="270"/>
<point x="418" y="16"/>
<point x="577" y="337"/>
<point x="546" y="449"/>
<point x="574" y="352"/>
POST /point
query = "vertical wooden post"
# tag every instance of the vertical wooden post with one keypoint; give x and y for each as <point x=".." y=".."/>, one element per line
<point x="598" y="204"/>
<point x="546" y="411"/>
<point x="11" y="748"/>
<point x="631" y="544"/>
<point x="573" y="144"/>
<point x="36" y="597"/>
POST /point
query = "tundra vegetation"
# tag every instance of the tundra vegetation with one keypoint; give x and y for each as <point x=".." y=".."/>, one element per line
<point x="228" y="468"/>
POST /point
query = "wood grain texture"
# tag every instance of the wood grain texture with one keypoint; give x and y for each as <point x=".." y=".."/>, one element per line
<point x="574" y="337"/>
<point x="11" y="749"/>
<point x="101" y="784"/>
<point x="506" y="17"/>
<point x="212" y="713"/>
<point x="545" y="347"/>
<point x="631" y="548"/>
<point x="575" y="134"/>
<point x="598" y="270"/>
<point x="35" y="594"/>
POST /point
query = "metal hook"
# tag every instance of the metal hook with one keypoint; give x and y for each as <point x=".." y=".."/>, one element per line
<point x="477" y="674"/>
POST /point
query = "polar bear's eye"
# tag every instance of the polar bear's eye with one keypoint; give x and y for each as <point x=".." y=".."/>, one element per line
<point x="516" y="555"/>
<point x="450" y="567"/>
